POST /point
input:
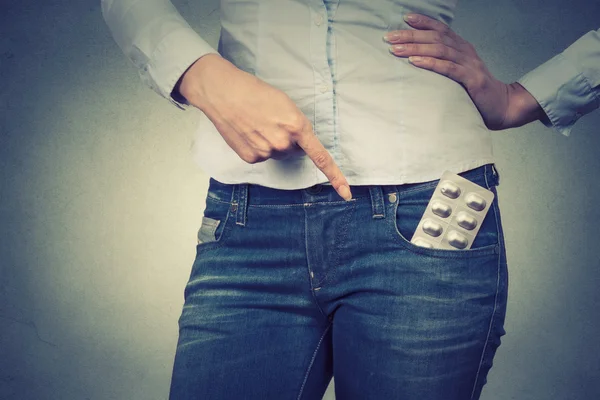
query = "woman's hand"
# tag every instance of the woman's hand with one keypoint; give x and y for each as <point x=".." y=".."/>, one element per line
<point x="257" y="120"/>
<point x="446" y="53"/>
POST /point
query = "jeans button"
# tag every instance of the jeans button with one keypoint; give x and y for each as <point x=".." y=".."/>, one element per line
<point x="314" y="189"/>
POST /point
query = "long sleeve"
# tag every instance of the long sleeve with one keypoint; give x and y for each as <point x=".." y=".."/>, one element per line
<point x="157" y="40"/>
<point x="568" y="85"/>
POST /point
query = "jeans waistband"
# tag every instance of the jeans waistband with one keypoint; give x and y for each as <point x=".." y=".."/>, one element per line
<point x="240" y="195"/>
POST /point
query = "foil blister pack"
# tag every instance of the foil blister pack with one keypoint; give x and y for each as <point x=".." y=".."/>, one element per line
<point x="454" y="214"/>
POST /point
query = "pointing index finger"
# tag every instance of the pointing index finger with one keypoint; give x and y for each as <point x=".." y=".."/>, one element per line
<point x="315" y="150"/>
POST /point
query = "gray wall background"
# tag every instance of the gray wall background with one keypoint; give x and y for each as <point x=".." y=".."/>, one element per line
<point x="100" y="203"/>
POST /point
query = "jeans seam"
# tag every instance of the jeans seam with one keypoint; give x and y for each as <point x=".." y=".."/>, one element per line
<point x="485" y="177"/>
<point x="308" y="266"/>
<point x="312" y="361"/>
<point x="335" y="259"/>
<point x="492" y="319"/>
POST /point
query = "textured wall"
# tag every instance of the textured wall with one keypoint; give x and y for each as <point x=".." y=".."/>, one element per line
<point x="100" y="203"/>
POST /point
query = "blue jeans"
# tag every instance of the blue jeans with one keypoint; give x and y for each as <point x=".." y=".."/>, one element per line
<point x="292" y="287"/>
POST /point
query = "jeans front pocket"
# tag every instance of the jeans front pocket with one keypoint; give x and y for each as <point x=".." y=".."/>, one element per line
<point x="214" y="223"/>
<point x="208" y="230"/>
<point x="410" y="207"/>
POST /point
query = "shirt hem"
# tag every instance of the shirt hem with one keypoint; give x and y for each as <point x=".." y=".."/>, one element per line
<point x="366" y="180"/>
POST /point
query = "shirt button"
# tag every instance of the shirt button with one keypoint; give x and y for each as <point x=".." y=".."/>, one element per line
<point x="318" y="20"/>
<point x="324" y="88"/>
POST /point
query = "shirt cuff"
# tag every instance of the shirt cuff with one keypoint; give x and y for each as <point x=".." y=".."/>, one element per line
<point x="562" y="91"/>
<point x="171" y="58"/>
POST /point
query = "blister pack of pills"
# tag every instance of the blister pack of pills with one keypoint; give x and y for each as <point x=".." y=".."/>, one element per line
<point x="454" y="214"/>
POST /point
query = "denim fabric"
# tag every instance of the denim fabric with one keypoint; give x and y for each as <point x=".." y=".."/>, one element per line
<point x="292" y="287"/>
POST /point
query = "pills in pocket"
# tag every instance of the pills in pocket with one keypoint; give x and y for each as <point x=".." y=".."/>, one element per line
<point x="454" y="214"/>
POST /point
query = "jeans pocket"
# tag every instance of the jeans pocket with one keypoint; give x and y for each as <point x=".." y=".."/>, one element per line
<point x="214" y="221"/>
<point x="410" y="208"/>
<point x="208" y="230"/>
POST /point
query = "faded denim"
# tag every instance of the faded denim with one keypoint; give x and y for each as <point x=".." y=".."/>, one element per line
<point x="292" y="287"/>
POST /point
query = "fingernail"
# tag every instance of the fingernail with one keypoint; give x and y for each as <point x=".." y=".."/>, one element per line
<point x="411" y="18"/>
<point x="415" y="59"/>
<point x="345" y="193"/>
<point x="391" y="36"/>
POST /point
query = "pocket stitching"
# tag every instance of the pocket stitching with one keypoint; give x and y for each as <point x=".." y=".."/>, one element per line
<point x="438" y="253"/>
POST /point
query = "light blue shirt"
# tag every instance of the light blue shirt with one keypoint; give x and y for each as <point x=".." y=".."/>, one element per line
<point x="383" y="120"/>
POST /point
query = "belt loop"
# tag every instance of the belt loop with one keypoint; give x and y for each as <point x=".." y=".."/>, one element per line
<point x="377" y="201"/>
<point x="486" y="177"/>
<point x="496" y="174"/>
<point x="240" y="217"/>
<point x="234" y="203"/>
